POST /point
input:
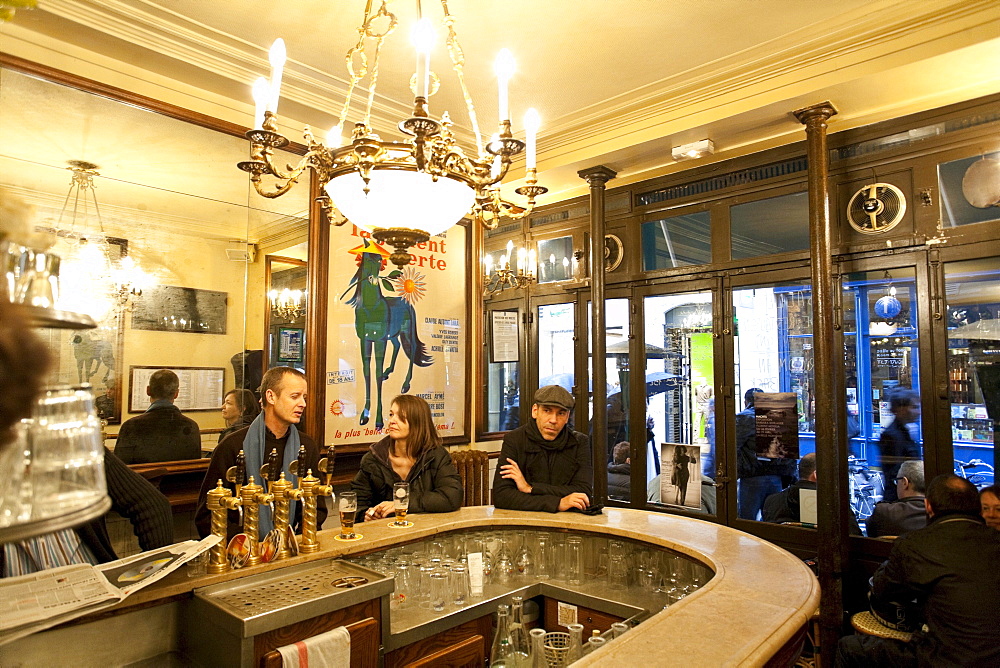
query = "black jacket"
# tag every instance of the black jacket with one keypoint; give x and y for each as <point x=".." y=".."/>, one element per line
<point x="950" y="569"/>
<point x="619" y="480"/>
<point x="784" y="506"/>
<point x="895" y="447"/>
<point x="553" y="471"/>
<point x="435" y="486"/>
<point x="160" y="434"/>
<point x="897" y="517"/>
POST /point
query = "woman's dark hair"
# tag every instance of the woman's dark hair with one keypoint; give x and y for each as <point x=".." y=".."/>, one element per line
<point x="992" y="489"/>
<point x="417" y="414"/>
<point x="24" y="363"/>
<point x="245" y="400"/>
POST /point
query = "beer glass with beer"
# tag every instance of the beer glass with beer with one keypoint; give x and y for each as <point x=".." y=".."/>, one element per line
<point x="400" y="502"/>
<point x="348" y="508"/>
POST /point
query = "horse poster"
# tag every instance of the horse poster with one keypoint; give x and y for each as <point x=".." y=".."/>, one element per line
<point x="395" y="331"/>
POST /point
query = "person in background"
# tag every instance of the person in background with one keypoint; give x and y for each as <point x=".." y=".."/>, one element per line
<point x="895" y="444"/>
<point x="283" y="394"/>
<point x="949" y="568"/>
<point x="161" y="434"/>
<point x="989" y="503"/>
<point x="907" y="513"/>
<point x="620" y="472"/>
<point x="239" y="408"/>
<point x="24" y="362"/>
<point x="544" y="465"/>
<point x="410" y="452"/>
<point x="759" y="477"/>
<point x="785" y="506"/>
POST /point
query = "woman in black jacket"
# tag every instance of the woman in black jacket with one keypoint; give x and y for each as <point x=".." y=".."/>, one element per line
<point x="411" y="452"/>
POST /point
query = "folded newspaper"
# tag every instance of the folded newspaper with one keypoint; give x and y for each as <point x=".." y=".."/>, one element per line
<point x="41" y="600"/>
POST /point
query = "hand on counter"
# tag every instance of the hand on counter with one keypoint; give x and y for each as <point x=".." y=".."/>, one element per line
<point x="383" y="509"/>
<point x="574" y="500"/>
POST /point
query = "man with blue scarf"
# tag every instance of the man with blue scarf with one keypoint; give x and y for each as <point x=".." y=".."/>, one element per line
<point x="283" y="398"/>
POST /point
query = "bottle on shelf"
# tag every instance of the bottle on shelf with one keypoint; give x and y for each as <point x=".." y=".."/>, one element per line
<point x="502" y="653"/>
<point x="594" y="643"/>
<point x="519" y="642"/>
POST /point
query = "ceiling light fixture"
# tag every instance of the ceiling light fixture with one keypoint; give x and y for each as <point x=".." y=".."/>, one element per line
<point x="403" y="192"/>
<point x="696" y="149"/>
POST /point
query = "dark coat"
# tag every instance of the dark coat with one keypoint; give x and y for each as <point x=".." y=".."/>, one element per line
<point x="895" y="447"/>
<point x="161" y="434"/>
<point x="950" y="569"/>
<point x="552" y="472"/>
<point x="897" y="517"/>
<point x="435" y="486"/>
<point x="224" y="456"/>
<point x="784" y="506"/>
<point x="619" y="480"/>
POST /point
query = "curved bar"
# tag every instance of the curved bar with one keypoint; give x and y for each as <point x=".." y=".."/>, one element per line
<point x="764" y="594"/>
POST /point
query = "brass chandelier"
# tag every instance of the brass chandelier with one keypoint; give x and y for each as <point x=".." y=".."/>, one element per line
<point x="402" y="192"/>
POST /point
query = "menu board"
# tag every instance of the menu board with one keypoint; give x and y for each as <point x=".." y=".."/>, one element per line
<point x="200" y="387"/>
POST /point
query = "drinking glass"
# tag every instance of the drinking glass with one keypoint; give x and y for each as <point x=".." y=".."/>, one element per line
<point x="574" y="560"/>
<point x="439" y="590"/>
<point x="400" y="502"/>
<point x="348" y="508"/>
<point x="459" y="584"/>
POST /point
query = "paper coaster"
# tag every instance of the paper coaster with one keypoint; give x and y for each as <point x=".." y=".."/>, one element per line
<point x="404" y="525"/>
<point x="357" y="537"/>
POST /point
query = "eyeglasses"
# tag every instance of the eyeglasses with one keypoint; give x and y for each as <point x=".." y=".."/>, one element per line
<point x="902" y="477"/>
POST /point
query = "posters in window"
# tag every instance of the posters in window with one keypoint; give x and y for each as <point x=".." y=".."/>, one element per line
<point x="680" y="475"/>
<point x="777" y="422"/>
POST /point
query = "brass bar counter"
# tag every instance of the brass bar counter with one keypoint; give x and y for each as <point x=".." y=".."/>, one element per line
<point x="755" y="607"/>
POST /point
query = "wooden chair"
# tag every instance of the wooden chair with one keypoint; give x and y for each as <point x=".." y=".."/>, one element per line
<point x="474" y="468"/>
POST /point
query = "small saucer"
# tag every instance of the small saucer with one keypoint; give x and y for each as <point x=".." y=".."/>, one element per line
<point x="405" y="524"/>
<point x="357" y="537"/>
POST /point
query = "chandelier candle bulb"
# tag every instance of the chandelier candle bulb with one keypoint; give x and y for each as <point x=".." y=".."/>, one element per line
<point x="532" y="262"/>
<point x="510" y="252"/>
<point x="261" y="92"/>
<point x="522" y="258"/>
<point x="504" y="66"/>
<point x="334" y="138"/>
<point x="489" y="264"/>
<point x="531" y="124"/>
<point x="276" y="56"/>
<point x="423" y="39"/>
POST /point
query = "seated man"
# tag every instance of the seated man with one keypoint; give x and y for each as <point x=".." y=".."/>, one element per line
<point x="161" y="434"/>
<point x="283" y="395"/>
<point x="906" y="514"/>
<point x="544" y="465"/>
<point x="785" y="506"/>
<point x="949" y="568"/>
<point x="620" y="472"/>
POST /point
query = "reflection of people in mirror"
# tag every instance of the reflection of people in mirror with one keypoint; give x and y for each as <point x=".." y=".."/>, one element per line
<point x="239" y="408"/>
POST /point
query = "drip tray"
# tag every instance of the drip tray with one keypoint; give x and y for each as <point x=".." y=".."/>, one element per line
<point x="267" y="601"/>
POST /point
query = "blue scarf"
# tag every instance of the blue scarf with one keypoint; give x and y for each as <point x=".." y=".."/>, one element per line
<point x="253" y="450"/>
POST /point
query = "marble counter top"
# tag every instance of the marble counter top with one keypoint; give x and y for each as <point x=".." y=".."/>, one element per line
<point x="759" y="599"/>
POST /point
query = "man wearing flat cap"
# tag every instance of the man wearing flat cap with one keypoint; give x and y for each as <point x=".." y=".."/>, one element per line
<point x="544" y="465"/>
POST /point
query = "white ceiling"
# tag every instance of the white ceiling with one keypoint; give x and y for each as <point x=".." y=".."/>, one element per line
<point x="616" y="82"/>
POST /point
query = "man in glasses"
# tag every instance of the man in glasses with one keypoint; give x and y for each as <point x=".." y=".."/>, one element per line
<point x="906" y="514"/>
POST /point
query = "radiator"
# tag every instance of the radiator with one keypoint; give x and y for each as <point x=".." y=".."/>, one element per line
<point x="474" y="468"/>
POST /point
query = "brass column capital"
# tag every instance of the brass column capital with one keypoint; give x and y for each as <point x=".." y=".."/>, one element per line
<point x="598" y="175"/>
<point x="815" y="114"/>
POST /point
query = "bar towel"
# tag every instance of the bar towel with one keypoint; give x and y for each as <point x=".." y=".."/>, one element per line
<point x="326" y="650"/>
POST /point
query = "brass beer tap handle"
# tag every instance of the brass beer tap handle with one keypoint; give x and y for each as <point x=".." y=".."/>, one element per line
<point x="301" y="463"/>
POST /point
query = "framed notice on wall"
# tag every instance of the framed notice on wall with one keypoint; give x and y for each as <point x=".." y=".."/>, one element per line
<point x="504" y="336"/>
<point x="200" y="387"/>
<point x="290" y="344"/>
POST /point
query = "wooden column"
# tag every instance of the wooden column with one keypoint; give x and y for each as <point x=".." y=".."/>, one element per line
<point x="831" y="454"/>
<point x="597" y="178"/>
<point x="318" y="287"/>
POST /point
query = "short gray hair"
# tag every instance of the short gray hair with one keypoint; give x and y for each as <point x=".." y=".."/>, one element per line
<point x="913" y="470"/>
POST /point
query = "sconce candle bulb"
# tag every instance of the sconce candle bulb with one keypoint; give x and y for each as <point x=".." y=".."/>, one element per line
<point x="276" y="56"/>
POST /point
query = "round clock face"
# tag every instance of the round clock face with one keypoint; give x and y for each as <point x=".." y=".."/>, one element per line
<point x="876" y="208"/>
<point x="614" y="252"/>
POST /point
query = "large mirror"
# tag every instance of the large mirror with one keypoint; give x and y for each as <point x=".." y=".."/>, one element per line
<point x="166" y="195"/>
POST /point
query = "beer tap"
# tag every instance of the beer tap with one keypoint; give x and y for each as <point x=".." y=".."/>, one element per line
<point x="325" y="466"/>
<point x="307" y="493"/>
<point x="219" y="502"/>
<point x="253" y="495"/>
<point x="279" y="487"/>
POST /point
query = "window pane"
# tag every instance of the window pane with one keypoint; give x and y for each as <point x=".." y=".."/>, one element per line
<point x="617" y="375"/>
<point x="555" y="345"/>
<point x="973" y="294"/>
<point x="768" y="226"/>
<point x="502" y="396"/>
<point x="677" y="241"/>
<point x="775" y="390"/>
<point x="882" y="379"/>
<point x="955" y="206"/>
<point x="680" y="409"/>
<point x="555" y="260"/>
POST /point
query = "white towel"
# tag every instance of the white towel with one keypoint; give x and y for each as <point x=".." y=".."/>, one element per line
<point x="327" y="650"/>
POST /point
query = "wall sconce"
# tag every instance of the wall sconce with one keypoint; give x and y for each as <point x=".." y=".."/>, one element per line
<point x="499" y="277"/>
<point x="287" y="304"/>
<point x="697" y="149"/>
